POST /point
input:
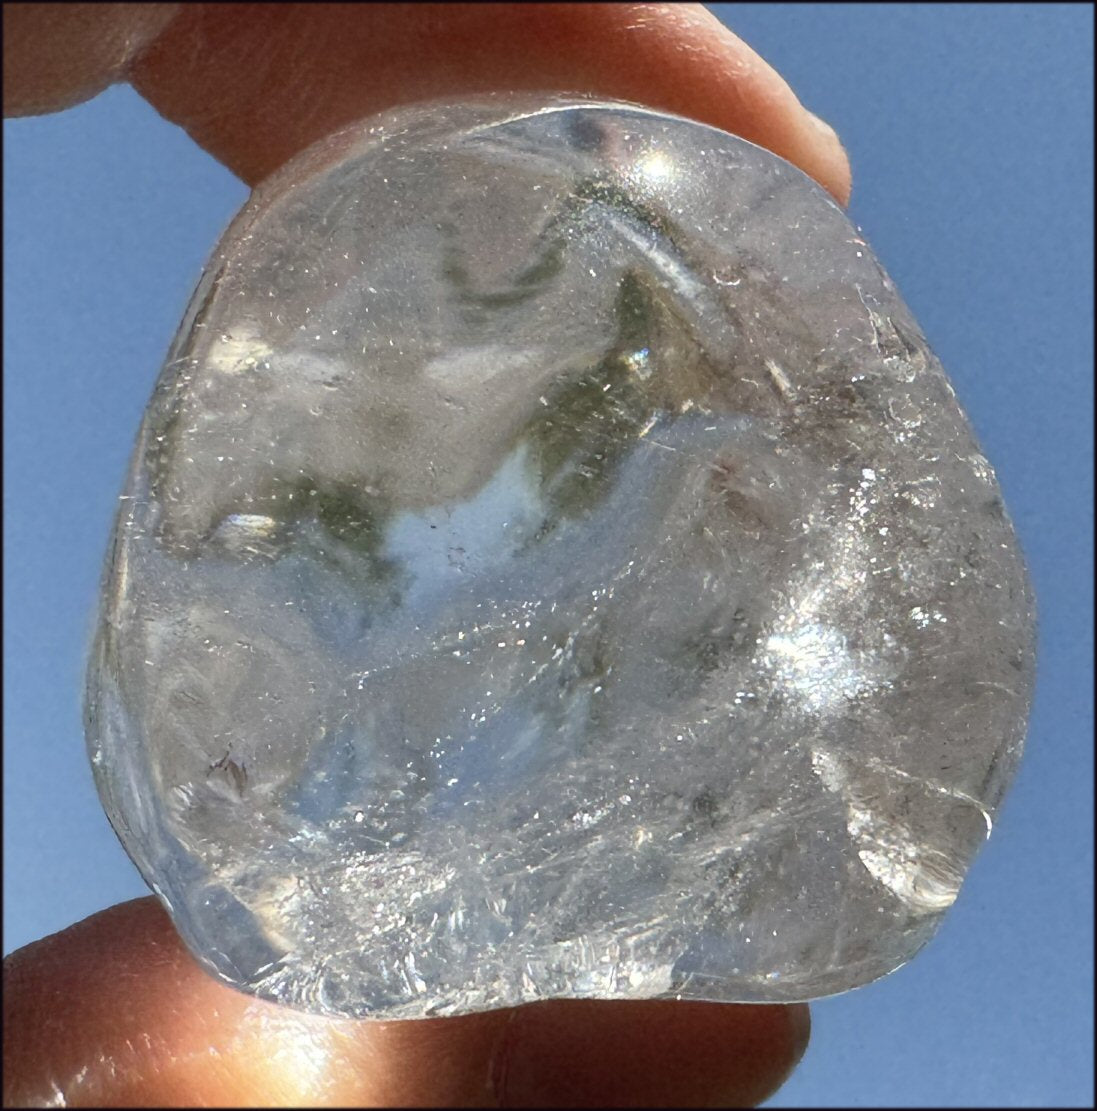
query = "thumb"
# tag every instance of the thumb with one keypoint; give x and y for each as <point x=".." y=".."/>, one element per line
<point x="115" y="1012"/>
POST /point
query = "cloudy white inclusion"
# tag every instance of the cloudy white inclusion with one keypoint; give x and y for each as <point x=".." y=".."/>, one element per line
<point x="813" y="662"/>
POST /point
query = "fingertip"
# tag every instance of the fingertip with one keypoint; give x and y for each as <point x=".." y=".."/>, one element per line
<point x="759" y="104"/>
<point x="581" y="1053"/>
<point x="58" y="55"/>
<point x="256" y="84"/>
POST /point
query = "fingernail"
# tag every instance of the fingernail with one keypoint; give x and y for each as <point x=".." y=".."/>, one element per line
<point x="824" y="127"/>
<point x="828" y="135"/>
<point x="829" y="139"/>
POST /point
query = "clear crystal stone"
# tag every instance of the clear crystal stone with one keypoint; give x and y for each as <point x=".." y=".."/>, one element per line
<point x="554" y="564"/>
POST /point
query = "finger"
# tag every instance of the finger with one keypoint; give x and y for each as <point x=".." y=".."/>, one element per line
<point x="256" y="83"/>
<point x="56" y="55"/>
<point x="114" y="1012"/>
<point x="586" y="1053"/>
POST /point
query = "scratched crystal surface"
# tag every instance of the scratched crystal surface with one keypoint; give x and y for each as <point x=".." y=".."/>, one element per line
<point x="554" y="564"/>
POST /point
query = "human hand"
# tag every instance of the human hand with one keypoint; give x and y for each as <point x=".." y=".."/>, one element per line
<point x="114" y="1011"/>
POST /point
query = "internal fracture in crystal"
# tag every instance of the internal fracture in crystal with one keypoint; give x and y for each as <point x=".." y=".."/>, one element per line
<point x="553" y="563"/>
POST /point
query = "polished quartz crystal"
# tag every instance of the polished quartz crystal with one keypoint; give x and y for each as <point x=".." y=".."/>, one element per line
<point x="554" y="564"/>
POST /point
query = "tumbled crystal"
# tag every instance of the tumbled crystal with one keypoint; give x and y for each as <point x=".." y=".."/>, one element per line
<point x="554" y="564"/>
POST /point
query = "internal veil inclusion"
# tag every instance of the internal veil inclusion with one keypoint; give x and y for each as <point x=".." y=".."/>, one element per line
<point x="553" y="563"/>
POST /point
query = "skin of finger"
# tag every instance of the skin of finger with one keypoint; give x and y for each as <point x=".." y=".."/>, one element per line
<point x="588" y="1053"/>
<point x="115" y="1012"/>
<point x="256" y="83"/>
<point x="56" y="55"/>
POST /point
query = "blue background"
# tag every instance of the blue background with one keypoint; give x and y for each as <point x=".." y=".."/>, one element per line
<point x="970" y="134"/>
